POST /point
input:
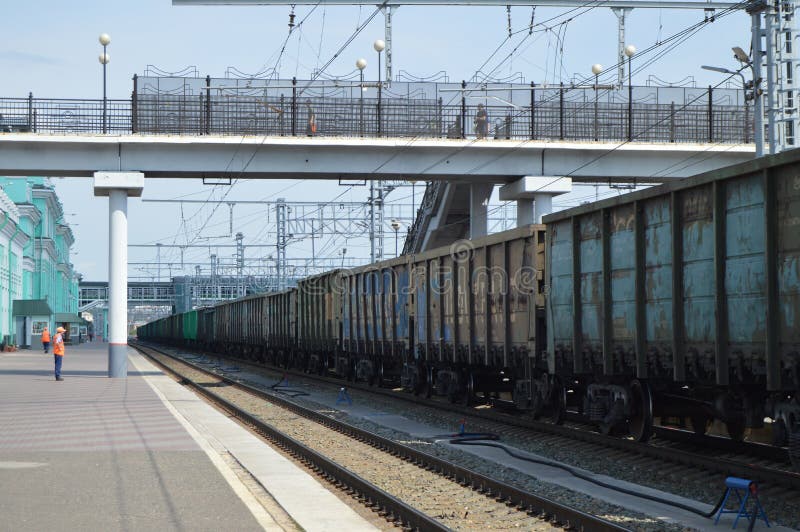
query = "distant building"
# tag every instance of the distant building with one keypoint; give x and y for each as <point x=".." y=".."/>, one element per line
<point x="42" y="285"/>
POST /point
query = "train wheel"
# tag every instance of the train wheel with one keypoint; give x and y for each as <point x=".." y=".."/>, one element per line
<point x="380" y="377"/>
<point x="416" y="388"/>
<point x="780" y="434"/>
<point x="418" y="381"/>
<point x="468" y="397"/>
<point x="794" y="448"/>
<point x="700" y="424"/>
<point x="559" y="399"/>
<point x="641" y="421"/>
<point x="428" y="383"/>
<point x="735" y="429"/>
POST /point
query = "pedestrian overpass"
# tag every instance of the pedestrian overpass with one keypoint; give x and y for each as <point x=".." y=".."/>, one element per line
<point x="541" y="141"/>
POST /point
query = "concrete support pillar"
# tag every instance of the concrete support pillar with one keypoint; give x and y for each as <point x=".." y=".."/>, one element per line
<point x="534" y="196"/>
<point x="118" y="186"/>
<point x="542" y="205"/>
<point x="524" y="212"/>
<point x="479" y="194"/>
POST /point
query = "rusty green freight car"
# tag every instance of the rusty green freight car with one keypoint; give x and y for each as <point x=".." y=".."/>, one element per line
<point x="681" y="300"/>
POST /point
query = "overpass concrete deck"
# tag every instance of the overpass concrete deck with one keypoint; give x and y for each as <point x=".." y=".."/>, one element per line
<point x="470" y="161"/>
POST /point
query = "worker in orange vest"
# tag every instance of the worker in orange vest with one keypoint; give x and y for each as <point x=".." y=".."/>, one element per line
<point x="58" y="351"/>
<point x="46" y="340"/>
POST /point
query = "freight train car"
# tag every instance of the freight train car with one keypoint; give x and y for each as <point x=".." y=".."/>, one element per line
<point x="681" y="300"/>
<point x="319" y="321"/>
<point x="458" y="321"/>
<point x="279" y="340"/>
<point x="239" y="327"/>
<point x="375" y="321"/>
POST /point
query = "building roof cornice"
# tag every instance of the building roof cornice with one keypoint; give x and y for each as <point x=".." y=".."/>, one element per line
<point x="49" y="195"/>
<point x="29" y="210"/>
<point x="47" y="244"/>
<point x="8" y="206"/>
<point x="66" y="231"/>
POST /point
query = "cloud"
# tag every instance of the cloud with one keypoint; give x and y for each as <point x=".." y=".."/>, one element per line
<point x="27" y="57"/>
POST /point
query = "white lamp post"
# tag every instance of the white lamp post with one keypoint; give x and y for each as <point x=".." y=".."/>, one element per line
<point x="596" y="69"/>
<point x="629" y="51"/>
<point x="379" y="46"/>
<point x="104" y="58"/>
<point x="361" y="64"/>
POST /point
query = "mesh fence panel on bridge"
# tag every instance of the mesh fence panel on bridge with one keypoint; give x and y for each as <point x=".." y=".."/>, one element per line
<point x="210" y="106"/>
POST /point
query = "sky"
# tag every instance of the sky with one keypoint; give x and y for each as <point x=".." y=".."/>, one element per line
<point x="50" y="48"/>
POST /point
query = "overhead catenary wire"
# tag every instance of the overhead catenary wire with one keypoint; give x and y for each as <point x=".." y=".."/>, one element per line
<point x="527" y="30"/>
<point x="360" y="26"/>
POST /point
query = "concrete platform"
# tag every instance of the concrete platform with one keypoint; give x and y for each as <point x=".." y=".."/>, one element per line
<point x="142" y="453"/>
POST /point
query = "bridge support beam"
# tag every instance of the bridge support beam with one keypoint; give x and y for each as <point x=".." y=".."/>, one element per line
<point x="479" y="194"/>
<point x="534" y="196"/>
<point x="118" y="186"/>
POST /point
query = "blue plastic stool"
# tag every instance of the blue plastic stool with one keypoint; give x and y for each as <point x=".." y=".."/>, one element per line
<point x="344" y="397"/>
<point x="737" y="486"/>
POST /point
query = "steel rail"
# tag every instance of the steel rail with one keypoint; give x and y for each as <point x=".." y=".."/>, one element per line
<point x="725" y="466"/>
<point x="533" y="504"/>
<point x="375" y="497"/>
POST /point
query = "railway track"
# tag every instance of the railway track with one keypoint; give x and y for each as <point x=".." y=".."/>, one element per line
<point x="442" y="495"/>
<point x="765" y="464"/>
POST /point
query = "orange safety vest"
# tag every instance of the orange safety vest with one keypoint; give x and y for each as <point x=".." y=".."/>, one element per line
<point x="45" y="335"/>
<point x="58" y="345"/>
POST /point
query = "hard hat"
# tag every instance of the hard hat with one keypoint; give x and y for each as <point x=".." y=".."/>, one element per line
<point x="60" y="330"/>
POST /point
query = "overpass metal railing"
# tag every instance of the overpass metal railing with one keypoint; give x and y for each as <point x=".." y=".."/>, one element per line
<point x="545" y="113"/>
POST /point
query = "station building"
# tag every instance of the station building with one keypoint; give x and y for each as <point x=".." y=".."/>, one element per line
<point x="38" y="285"/>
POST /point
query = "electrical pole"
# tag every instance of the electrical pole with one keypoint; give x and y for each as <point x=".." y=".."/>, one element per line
<point x="780" y="29"/>
<point x="379" y="221"/>
<point x="280" y="264"/>
<point x="214" y="296"/>
<point x="240" y="263"/>
<point x="371" y="221"/>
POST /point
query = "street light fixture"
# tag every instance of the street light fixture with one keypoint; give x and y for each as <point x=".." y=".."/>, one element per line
<point x="629" y="51"/>
<point x="379" y="46"/>
<point x="741" y="56"/>
<point x="361" y="64"/>
<point x="596" y="69"/>
<point x="104" y="58"/>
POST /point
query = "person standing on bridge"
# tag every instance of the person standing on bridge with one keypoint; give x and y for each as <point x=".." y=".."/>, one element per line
<point x="481" y="122"/>
<point x="311" y="123"/>
<point x="58" y="351"/>
<point x="46" y="340"/>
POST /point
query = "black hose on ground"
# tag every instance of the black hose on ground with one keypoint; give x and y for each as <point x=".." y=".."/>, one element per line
<point x="286" y="389"/>
<point x="479" y="439"/>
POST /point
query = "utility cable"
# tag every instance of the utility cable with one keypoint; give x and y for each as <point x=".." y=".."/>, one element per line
<point x="489" y="440"/>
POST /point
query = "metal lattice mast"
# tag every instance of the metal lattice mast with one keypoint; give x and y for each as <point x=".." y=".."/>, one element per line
<point x="756" y="65"/>
<point x="621" y="13"/>
<point x="781" y="64"/>
<point x="240" y="261"/>
<point x="280" y="264"/>
<point x="379" y="220"/>
<point x="214" y="276"/>
<point x="372" y="254"/>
